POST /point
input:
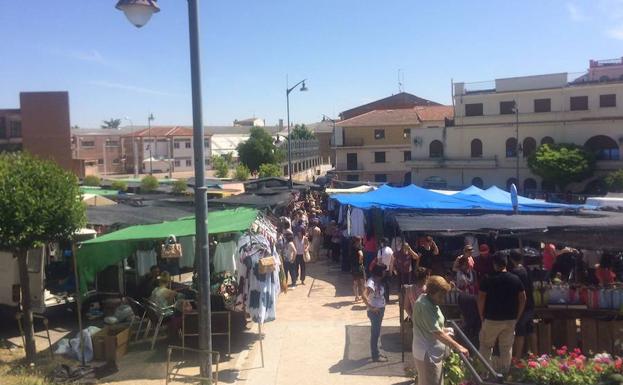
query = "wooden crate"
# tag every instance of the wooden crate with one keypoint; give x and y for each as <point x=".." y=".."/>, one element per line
<point x="544" y="336"/>
<point x="590" y="336"/>
<point x="110" y="343"/>
<point x="605" y="342"/>
<point x="564" y="333"/>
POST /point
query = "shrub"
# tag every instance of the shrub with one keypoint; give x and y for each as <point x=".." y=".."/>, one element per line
<point x="119" y="185"/>
<point x="149" y="183"/>
<point x="242" y="172"/>
<point x="221" y="166"/>
<point x="91" y="180"/>
<point x="269" y="169"/>
<point x="179" y="187"/>
<point x="614" y="181"/>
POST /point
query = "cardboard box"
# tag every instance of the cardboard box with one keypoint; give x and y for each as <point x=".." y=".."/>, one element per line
<point x="111" y="343"/>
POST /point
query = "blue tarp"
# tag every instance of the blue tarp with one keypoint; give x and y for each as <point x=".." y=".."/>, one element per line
<point x="416" y="198"/>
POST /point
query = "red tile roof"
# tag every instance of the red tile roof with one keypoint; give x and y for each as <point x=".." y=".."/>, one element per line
<point x="399" y="117"/>
<point x="163" y="131"/>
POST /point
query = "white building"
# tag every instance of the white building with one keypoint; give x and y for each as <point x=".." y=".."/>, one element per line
<point x="481" y="147"/>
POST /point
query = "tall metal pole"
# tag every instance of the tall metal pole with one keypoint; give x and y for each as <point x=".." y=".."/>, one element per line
<point x="201" y="200"/>
<point x="288" y="90"/>
<point x="517" y="143"/>
<point x="150" y="117"/>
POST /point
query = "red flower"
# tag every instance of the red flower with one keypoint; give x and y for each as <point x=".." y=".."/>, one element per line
<point x="520" y="365"/>
<point x="618" y="363"/>
<point x="597" y="368"/>
<point x="577" y="351"/>
<point x="533" y="364"/>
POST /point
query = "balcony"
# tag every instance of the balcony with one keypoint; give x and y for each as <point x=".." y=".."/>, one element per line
<point x="353" y="142"/>
<point x="346" y="167"/>
<point x="455" y="162"/>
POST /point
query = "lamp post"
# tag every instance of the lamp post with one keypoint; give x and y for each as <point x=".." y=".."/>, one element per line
<point x="139" y="12"/>
<point x="325" y="118"/>
<point x="134" y="148"/>
<point x="288" y="90"/>
<point x="517" y="147"/>
<point x="150" y="118"/>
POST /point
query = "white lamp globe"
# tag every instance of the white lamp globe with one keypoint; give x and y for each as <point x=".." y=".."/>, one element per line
<point x="138" y="12"/>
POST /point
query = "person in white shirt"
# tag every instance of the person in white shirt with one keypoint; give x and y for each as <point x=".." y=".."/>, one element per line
<point x="385" y="258"/>
<point x="374" y="298"/>
<point x="290" y="256"/>
<point x="301" y="244"/>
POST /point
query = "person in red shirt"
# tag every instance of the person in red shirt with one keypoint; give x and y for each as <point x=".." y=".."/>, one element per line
<point x="550" y="253"/>
<point x="603" y="270"/>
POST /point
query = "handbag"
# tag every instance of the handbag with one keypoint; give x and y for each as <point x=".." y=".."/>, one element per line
<point x="306" y="256"/>
<point x="171" y="249"/>
<point x="266" y="265"/>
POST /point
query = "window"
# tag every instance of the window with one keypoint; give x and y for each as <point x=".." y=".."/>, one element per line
<point x="604" y="78"/>
<point x="507" y="108"/>
<point x="379" y="157"/>
<point x="435" y="149"/>
<point x="474" y="109"/>
<point x="406" y="133"/>
<point x="604" y="147"/>
<point x="2" y="127"/>
<point x="177" y="163"/>
<point x="206" y="143"/>
<point x="548" y="186"/>
<point x="352" y="178"/>
<point x="187" y="144"/>
<point x="351" y="161"/>
<point x="380" y="178"/>
<point x="511" y="147"/>
<point x="529" y="185"/>
<point x="189" y="162"/>
<point x="406" y="156"/>
<point x="529" y="147"/>
<point x="542" y="105"/>
<point x="379" y="134"/>
<point x="476" y="148"/>
<point x="176" y="145"/>
<point x="477" y="181"/>
<point x="88" y="143"/>
<point x="609" y="100"/>
<point x="16" y="129"/>
<point x="100" y="161"/>
<point x="116" y="161"/>
<point x="547" y="140"/>
<point x="112" y="143"/>
<point x="578" y="103"/>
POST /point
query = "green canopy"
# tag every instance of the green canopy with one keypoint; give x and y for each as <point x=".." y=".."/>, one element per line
<point x="96" y="254"/>
<point x="97" y="191"/>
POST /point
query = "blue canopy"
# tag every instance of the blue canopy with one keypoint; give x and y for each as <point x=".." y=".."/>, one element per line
<point x="416" y="198"/>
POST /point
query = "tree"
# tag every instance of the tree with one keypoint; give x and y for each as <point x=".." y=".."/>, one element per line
<point x="112" y="124"/>
<point x="91" y="180"/>
<point x="259" y="149"/>
<point x="149" y="183"/>
<point x="39" y="202"/>
<point x="179" y="187"/>
<point x="269" y="169"/>
<point x="562" y="163"/>
<point x="119" y="185"/>
<point x="229" y="158"/>
<point x="614" y="181"/>
<point x="221" y="166"/>
<point x="242" y="172"/>
<point x="301" y="132"/>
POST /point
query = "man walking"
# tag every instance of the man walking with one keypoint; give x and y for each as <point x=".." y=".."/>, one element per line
<point x="524" y="325"/>
<point x="501" y="300"/>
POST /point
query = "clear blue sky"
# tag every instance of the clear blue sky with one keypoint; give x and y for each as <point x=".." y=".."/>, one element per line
<point x="349" y="50"/>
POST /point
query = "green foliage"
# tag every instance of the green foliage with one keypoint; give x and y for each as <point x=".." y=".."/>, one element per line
<point x="614" y="181"/>
<point x="111" y="124"/>
<point x="229" y="158"/>
<point x="259" y="149"/>
<point x="149" y="183"/>
<point x="91" y="180"/>
<point x="269" y="169"/>
<point x="301" y="132"/>
<point x="179" y="186"/>
<point x="453" y="370"/>
<point x="119" y="185"/>
<point x="562" y="163"/>
<point x="39" y="202"/>
<point x="242" y="172"/>
<point x="221" y="166"/>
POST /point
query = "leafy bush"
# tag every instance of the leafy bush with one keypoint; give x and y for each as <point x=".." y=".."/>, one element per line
<point x="269" y="169"/>
<point x="179" y="187"/>
<point x="242" y="172"/>
<point x="149" y="183"/>
<point x="91" y="180"/>
<point x="119" y="185"/>
<point x="614" y="181"/>
<point x="562" y="163"/>
<point x="221" y="166"/>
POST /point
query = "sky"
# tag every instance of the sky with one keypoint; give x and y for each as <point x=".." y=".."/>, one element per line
<point x="350" y="51"/>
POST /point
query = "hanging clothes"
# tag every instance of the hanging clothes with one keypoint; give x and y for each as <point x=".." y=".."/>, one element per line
<point x="357" y="222"/>
<point x="188" y="252"/>
<point x="224" y="258"/>
<point x="259" y="291"/>
<point x="145" y="259"/>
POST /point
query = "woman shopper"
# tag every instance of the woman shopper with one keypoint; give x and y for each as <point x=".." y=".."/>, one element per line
<point x="374" y="298"/>
<point x="430" y="337"/>
<point x="290" y="257"/>
<point x="301" y="243"/>
<point x="357" y="268"/>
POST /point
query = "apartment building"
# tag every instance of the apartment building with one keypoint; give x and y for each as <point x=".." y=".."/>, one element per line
<point x="373" y="142"/>
<point x="100" y="150"/>
<point x="499" y="124"/>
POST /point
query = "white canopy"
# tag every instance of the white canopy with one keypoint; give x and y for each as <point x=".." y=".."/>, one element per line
<point x="354" y="190"/>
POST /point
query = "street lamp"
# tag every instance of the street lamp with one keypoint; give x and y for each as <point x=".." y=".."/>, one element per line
<point x="150" y="118"/>
<point x="134" y="147"/>
<point x="139" y="12"/>
<point x="288" y="90"/>
<point x="517" y="146"/>
<point x="324" y="119"/>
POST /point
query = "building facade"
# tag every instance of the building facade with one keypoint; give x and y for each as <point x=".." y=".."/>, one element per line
<point x="497" y="126"/>
<point x="100" y="151"/>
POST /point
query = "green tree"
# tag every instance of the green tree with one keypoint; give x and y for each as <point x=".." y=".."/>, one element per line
<point x="242" y="172"/>
<point x="149" y="183"/>
<point x="179" y="187"/>
<point x="221" y="166"/>
<point x="91" y="180"/>
<point x="270" y="169"/>
<point x="301" y="132"/>
<point x="119" y="185"/>
<point x="562" y="163"/>
<point x="259" y="149"/>
<point x="229" y="158"/>
<point x="39" y="202"/>
<point x="111" y="124"/>
<point x="614" y="181"/>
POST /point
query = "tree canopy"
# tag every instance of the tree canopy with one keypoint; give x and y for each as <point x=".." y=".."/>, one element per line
<point x="221" y="166"/>
<point x="111" y="124"/>
<point x="269" y="169"/>
<point x="259" y="149"/>
<point x="614" y="181"/>
<point x="301" y="132"/>
<point x="562" y="163"/>
<point x="242" y="172"/>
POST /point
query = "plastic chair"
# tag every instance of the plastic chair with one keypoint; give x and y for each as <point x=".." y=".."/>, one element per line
<point x="156" y="316"/>
<point x="139" y="315"/>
